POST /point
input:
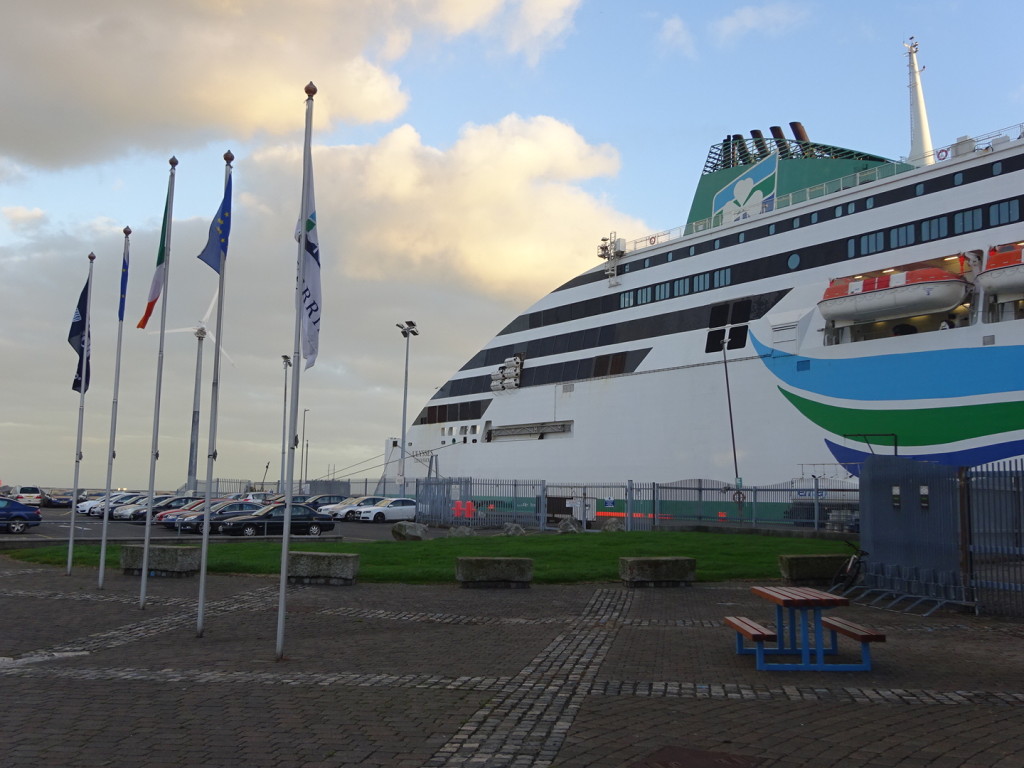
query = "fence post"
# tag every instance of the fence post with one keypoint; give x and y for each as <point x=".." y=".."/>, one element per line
<point x="629" y="505"/>
<point x="655" y="505"/>
<point x="753" y="507"/>
<point x="817" y="505"/>
<point x="542" y="505"/>
<point x="700" y="500"/>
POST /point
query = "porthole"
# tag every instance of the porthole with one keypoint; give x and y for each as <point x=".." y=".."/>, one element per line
<point x="742" y="237"/>
<point x="919" y="189"/>
<point x="851" y="208"/>
<point x="796" y="223"/>
<point x="794" y="261"/>
<point x="958" y="179"/>
<point x="693" y="249"/>
<point x="771" y="229"/>
<point x="997" y="168"/>
<point x="869" y="203"/>
<point x="814" y="218"/>
<point x="717" y="243"/>
<point x="838" y="211"/>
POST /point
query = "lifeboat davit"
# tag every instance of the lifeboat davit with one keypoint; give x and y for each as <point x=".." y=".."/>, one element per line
<point x="1003" y="274"/>
<point x="893" y="295"/>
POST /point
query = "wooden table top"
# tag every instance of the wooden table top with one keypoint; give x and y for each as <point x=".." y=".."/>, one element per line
<point x="800" y="597"/>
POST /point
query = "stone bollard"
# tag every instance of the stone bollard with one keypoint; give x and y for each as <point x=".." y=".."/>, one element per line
<point x="172" y="562"/>
<point x="494" y="572"/>
<point x="407" y="531"/>
<point x="657" y="571"/>
<point x="810" y="570"/>
<point x="334" y="568"/>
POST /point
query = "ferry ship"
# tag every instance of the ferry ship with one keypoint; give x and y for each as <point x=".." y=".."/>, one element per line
<point x="821" y="304"/>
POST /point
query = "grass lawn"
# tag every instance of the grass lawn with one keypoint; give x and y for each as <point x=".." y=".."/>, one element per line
<point x="561" y="559"/>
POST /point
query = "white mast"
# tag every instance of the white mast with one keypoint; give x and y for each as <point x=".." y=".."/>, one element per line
<point x="920" y="135"/>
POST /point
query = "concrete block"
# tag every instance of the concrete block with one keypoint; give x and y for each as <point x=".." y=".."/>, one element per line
<point x="334" y="568"/>
<point x="494" y="572"/>
<point x="657" y="571"/>
<point x="173" y="562"/>
<point x="810" y="570"/>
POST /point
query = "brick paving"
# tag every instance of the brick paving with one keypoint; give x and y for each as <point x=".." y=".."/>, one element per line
<point x="437" y="676"/>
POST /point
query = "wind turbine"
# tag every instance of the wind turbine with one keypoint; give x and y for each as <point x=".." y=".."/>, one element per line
<point x="201" y="332"/>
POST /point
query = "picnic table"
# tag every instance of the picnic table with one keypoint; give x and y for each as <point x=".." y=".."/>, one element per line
<point x="800" y="631"/>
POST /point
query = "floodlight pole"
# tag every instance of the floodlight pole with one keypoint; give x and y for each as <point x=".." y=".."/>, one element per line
<point x="408" y="329"/>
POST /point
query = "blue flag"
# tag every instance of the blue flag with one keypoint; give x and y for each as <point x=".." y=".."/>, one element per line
<point x="124" y="282"/>
<point x="78" y="338"/>
<point x="220" y="228"/>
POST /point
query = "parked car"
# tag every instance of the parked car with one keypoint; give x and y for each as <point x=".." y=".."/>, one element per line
<point x="270" y="521"/>
<point x="138" y="511"/>
<point x="169" y="517"/>
<point x="27" y="494"/>
<point x="323" y="499"/>
<point x="193" y="522"/>
<point x="56" y="499"/>
<point x="261" y="496"/>
<point x="18" y="517"/>
<point x="349" y="508"/>
<point x="83" y="507"/>
<point x="389" y="510"/>
<point x="134" y="498"/>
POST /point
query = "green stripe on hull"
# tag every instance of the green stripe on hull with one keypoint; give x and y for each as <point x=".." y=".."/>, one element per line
<point x="913" y="426"/>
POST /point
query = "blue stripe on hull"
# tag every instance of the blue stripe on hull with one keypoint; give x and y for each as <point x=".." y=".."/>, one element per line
<point x="924" y="375"/>
<point x="851" y="458"/>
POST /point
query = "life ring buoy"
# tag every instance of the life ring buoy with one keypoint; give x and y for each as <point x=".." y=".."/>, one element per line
<point x="941" y="154"/>
<point x="652" y="239"/>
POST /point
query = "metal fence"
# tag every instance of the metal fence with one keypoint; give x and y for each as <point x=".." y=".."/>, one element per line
<point x="940" y="535"/>
<point x="815" y="503"/>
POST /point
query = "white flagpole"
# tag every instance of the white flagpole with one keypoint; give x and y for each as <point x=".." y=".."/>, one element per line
<point x="155" y="452"/>
<point x="211" y="455"/>
<point x="113" y="408"/>
<point x="307" y="165"/>
<point x="82" y="363"/>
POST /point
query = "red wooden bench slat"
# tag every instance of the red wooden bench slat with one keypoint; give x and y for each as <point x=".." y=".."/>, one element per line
<point x="750" y="629"/>
<point x="848" y="628"/>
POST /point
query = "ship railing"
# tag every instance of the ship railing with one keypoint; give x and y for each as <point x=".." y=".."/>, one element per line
<point x="963" y="146"/>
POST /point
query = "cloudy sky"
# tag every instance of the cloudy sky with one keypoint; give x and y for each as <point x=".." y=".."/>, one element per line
<point x="469" y="155"/>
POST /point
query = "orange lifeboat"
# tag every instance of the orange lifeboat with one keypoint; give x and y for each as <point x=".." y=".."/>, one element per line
<point x="892" y="295"/>
<point x="1003" y="274"/>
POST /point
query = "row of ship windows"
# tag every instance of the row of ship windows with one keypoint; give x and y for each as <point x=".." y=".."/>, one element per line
<point x="684" y="286"/>
<point x="968" y="220"/>
<point x="1005" y="212"/>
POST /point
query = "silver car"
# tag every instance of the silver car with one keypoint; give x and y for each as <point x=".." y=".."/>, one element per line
<point x="389" y="510"/>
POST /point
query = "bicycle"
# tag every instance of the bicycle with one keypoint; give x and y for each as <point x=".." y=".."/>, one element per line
<point x="849" y="574"/>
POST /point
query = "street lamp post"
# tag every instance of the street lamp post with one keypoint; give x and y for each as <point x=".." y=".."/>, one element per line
<point x="284" y="421"/>
<point x="409" y="329"/>
<point x="302" y="450"/>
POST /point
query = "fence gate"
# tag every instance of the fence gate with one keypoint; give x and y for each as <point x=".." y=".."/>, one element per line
<point x="994" y="519"/>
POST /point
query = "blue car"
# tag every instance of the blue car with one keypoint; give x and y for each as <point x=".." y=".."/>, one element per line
<point x="18" y="517"/>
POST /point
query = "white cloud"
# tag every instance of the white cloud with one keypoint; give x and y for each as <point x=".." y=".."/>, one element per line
<point x="676" y="34"/>
<point x="21" y="219"/>
<point x="771" y="19"/>
<point x="537" y="25"/>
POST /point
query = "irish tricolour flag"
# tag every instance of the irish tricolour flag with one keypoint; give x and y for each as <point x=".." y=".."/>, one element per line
<point x="157" y="286"/>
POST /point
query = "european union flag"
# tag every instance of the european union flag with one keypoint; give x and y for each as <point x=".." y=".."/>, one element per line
<point x="220" y="228"/>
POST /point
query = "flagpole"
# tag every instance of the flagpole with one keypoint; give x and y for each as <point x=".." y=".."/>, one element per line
<point x="155" y="452"/>
<point x="113" y="408"/>
<point x="83" y="363"/>
<point x="211" y="455"/>
<point x="296" y="368"/>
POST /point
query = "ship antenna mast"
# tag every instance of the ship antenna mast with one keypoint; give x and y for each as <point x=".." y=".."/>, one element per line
<point x="920" y="135"/>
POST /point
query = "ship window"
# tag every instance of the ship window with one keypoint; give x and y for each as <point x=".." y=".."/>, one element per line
<point x="838" y="211"/>
<point x="851" y="248"/>
<point x="693" y="250"/>
<point x="771" y="229"/>
<point x="647" y="263"/>
<point x="741" y="311"/>
<point x="794" y="261"/>
<point x="625" y="299"/>
<point x="719" y="316"/>
<point x="796" y="223"/>
<point x="997" y="168"/>
<point x="742" y="237"/>
<point x="669" y="255"/>
<point x="701" y="282"/>
<point x="851" y="208"/>
<point x="900" y="237"/>
<point x="738" y="337"/>
<point x="958" y="179"/>
<point x="1004" y="212"/>
<point x="919" y="189"/>
<point x="643" y="295"/>
<point x="717" y="243"/>
<point x="662" y="291"/>
<point x="723" y="277"/>
<point x="869" y="203"/>
<point x="967" y="221"/>
<point x="814" y="218"/>
<point x="933" y="229"/>
<point x="681" y="287"/>
<point x="715" y="340"/>
<point x="625" y="267"/>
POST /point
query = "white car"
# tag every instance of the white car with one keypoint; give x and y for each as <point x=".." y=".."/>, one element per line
<point x="27" y="494"/>
<point x="349" y="508"/>
<point x="84" y="507"/>
<point x="389" y="510"/>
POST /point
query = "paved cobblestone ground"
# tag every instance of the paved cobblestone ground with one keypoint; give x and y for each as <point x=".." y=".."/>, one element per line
<point x="392" y="675"/>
